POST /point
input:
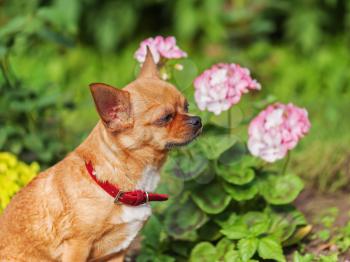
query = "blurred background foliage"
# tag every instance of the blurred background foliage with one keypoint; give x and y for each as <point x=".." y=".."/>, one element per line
<point x="50" y="50"/>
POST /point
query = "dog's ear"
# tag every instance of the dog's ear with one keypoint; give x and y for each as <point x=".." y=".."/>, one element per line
<point x="149" y="68"/>
<point x="113" y="106"/>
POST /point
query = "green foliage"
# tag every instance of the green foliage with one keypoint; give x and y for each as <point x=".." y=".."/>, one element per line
<point x="31" y="121"/>
<point x="182" y="220"/>
<point x="300" y="258"/>
<point x="204" y="251"/>
<point x="154" y="245"/>
<point x="243" y="192"/>
<point x="237" y="172"/>
<point x="214" y="144"/>
<point x="30" y="113"/>
<point x="48" y="49"/>
<point x="212" y="199"/>
<point x="280" y="190"/>
<point x="330" y="234"/>
<point x="14" y="174"/>
<point x="51" y="50"/>
<point x="270" y="248"/>
<point x="247" y="247"/>
<point x="311" y="258"/>
<point x="229" y="199"/>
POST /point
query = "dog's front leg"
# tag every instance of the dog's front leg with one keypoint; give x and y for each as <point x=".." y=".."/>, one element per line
<point x="76" y="251"/>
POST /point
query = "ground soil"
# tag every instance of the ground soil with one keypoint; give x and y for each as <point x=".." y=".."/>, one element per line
<point x="313" y="203"/>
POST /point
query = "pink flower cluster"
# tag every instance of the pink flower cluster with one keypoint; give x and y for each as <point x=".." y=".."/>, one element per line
<point x="160" y="47"/>
<point x="222" y="86"/>
<point x="276" y="130"/>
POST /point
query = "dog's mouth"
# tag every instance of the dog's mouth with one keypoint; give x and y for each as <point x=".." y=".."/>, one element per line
<point x="171" y="145"/>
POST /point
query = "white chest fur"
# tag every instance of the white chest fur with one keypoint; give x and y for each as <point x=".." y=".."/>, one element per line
<point x="149" y="179"/>
<point x="134" y="217"/>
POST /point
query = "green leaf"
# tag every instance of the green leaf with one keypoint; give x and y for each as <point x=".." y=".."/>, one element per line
<point x="238" y="172"/>
<point x="299" y="258"/>
<point x="3" y="51"/>
<point x="182" y="220"/>
<point x="258" y="223"/>
<point x="16" y="146"/>
<point x="269" y="248"/>
<point x="324" y="234"/>
<point x="186" y="164"/>
<point x="232" y="256"/>
<point x="223" y="247"/>
<point x="329" y="258"/>
<point x="151" y="232"/>
<point x="236" y="231"/>
<point x="211" y="198"/>
<point x="203" y="252"/>
<point x="237" y="177"/>
<point x="251" y="224"/>
<point x="238" y="153"/>
<point x="237" y="158"/>
<point x="33" y="141"/>
<point x="49" y="99"/>
<point x="164" y="258"/>
<point x="22" y="106"/>
<point x="247" y="248"/>
<point x="3" y="137"/>
<point x="231" y="220"/>
<point x="299" y="234"/>
<point x="214" y="144"/>
<point x="14" y="26"/>
<point x="184" y="78"/>
<point x="279" y="190"/>
<point x="187" y="22"/>
<point x="228" y="119"/>
<point x="151" y="255"/>
<point x="209" y="232"/>
<point x="284" y="221"/>
<point x="243" y="192"/>
<point x="180" y="247"/>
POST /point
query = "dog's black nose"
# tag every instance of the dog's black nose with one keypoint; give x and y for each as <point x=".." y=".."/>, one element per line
<point x="195" y="121"/>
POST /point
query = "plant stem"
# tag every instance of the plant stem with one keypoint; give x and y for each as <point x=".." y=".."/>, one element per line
<point x="4" y="73"/>
<point x="285" y="165"/>
<point x="229" y="122"/>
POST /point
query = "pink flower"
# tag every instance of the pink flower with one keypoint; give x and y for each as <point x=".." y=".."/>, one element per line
<point x="276" y="130"/>
<point x="160" y="47"/>
<point x="222" y="86"/>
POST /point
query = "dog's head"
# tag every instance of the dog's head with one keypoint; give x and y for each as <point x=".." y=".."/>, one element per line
<point x="147" y="112"/>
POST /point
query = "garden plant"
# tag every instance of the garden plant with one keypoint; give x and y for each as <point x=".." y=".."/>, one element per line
<point x="268" y="179"/>
<point x="231" y="206"/>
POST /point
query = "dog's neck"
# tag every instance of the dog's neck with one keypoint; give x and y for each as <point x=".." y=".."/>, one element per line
<point x="115" y="163"/>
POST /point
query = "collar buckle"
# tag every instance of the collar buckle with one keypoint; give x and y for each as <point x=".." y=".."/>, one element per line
<point x="131" y="198"/>
<point x="118" y="196"/>
<point x="147" y="197"/>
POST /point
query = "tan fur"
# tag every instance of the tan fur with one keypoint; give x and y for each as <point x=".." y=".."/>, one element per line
<point x="62" y="215"/>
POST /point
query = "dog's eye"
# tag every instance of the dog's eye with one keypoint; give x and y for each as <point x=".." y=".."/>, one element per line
<point x="186" y="107"/>
<point x="167" y="118"/>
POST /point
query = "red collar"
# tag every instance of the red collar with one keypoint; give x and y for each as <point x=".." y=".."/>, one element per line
<point x="131" y="198"/>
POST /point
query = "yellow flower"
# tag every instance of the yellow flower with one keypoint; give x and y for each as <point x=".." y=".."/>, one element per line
<point x="14" y="174"/>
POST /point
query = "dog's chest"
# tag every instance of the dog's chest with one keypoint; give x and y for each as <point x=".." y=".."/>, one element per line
<point x="134" y="217"/>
